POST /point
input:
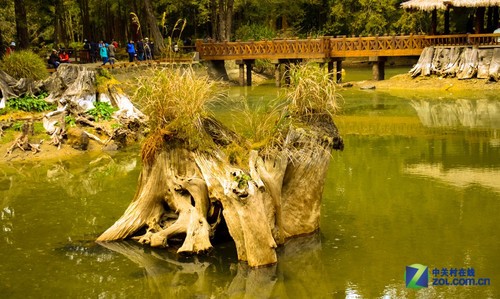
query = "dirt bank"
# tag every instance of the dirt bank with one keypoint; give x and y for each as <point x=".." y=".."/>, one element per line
<point x="405" y="82"/>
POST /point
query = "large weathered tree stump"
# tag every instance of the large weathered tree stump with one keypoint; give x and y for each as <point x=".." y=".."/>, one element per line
<point x="459" y="61"/>
<point x="274" y="198"/>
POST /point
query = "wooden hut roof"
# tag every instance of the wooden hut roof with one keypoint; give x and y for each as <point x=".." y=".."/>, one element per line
<point x="441" y="4"/>
<point x="425" y="4"/>
<point x="475" y="3"/>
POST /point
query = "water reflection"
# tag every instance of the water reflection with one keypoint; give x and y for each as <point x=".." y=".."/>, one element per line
<point x="90" y="176"/>
<point x="300" y="272"/>
<point x="466" y="113"/>
<point x="459" y="177"/>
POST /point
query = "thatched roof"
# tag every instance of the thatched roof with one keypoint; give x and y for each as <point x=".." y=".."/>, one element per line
<point x="475" y="3"/>
<point x="424" y="4"/>
<point x="441" y="4"/>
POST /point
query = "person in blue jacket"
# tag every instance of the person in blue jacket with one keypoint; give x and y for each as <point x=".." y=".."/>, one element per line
<point x="131" y="51"/>
<point x="103" y="51"/>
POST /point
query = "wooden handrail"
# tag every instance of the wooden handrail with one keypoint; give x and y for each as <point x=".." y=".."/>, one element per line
<point x="341" y="46"/>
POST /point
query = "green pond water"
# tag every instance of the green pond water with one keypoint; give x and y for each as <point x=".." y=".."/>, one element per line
<point x="417" y="183"/>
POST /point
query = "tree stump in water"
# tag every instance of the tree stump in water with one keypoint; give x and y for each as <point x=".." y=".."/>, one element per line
<point x="274" y="198"/>
<point x="272" y="193"/>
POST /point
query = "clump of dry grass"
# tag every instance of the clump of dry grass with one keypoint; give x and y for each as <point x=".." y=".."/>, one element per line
<point x="175" y="101"/>
<point x="312" y="91"/>
<point x="263" y="122"/>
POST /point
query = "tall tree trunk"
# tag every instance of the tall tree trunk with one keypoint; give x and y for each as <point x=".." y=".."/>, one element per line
<point x="229" y="18"/>
<point x="221" y="33"/>
<point x="84" y="10"/>
<point x="2" y="50"/>
<point x="21" y="24"/>
<point x="490" y="26"/>
<point x="214" y="19"/>
<point x="57" y="22"/>
<point x="495" y="16"/>
<point x="479" y="27"/>
<point x="153" y="26"/>
<point x="447" y="20"/>
<point x="434" y="22"/>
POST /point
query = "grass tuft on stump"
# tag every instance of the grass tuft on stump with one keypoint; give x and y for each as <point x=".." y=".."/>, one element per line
<point x="311" y="91"/>
<point x="175" y="101"/>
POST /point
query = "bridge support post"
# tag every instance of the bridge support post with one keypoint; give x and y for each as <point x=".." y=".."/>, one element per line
<point x="249" y="64"/>
<point x="241" y="65"/>
<point x="277" y="73"/>
<point x="241" y="78"/>
<point x="330" y="69"/>
<point x="339" y="71"/>
<point x="378" y="67"/>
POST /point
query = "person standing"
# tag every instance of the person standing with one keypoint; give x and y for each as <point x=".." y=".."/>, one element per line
<point x="94" y="51"/>
<point x="131" y="51"/>
<point x="103" y="52"/>
<point x="86" y="47"/>
<point x="10" y="49"/>
<point x="147" y="49"/>
<point x="111" y="53"/>
<point x="152" y="48"/>
<point x="140" y="50"/>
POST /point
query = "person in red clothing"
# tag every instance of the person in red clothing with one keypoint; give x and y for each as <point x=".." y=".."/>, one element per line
<point x="64" y="57"/>
<point x="10" y="49"/>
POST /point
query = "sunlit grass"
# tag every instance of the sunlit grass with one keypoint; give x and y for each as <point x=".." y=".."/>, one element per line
<point x="312" y="91"/>
<point x="175" y="100"/>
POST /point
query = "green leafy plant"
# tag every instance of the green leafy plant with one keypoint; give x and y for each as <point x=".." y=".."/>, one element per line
<point x="70" y="120"/>
<point x="242" y="179"/>
<point x="102" y="111"/>
<point x="25" y="64"/>
<point x="30" y="103"/>
<point x="17" y="126"/>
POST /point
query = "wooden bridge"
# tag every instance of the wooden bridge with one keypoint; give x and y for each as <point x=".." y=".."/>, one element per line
<point x="332" y="50"/>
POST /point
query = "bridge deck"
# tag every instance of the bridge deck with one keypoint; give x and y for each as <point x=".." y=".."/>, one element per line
<point x="338" y="47"/>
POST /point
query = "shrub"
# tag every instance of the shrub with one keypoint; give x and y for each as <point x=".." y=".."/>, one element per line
<point x="255" y="32"/>
<point x="25" y="64"/>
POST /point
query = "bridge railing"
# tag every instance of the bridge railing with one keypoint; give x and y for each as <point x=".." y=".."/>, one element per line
<point x="277" y="48"/>
<point x="341" y="46"/>
<point x="486" y="39"/>
<point x="377" y="46"/>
